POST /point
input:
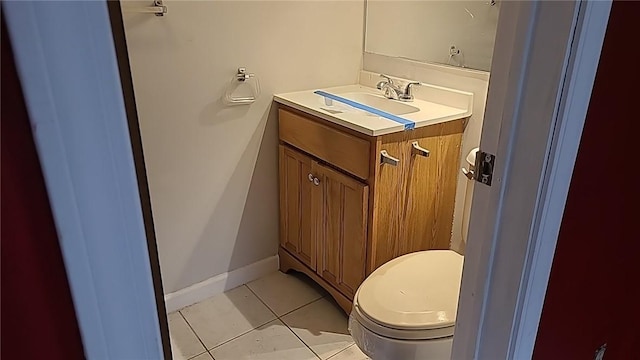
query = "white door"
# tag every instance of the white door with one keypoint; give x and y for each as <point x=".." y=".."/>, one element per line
<point x="543" y="68"/>
<point x="542" y="74"/>
<point x="68" y="70"/>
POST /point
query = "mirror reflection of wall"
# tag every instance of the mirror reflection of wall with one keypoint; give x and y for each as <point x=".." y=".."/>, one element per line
<point x="457" y="33"/>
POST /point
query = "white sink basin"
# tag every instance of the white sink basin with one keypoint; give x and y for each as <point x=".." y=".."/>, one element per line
<point x="432" y="105"/>
<point x="380" y="102"/>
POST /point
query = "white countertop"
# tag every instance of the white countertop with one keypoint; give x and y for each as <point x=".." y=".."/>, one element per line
<point x="429" y="113"/>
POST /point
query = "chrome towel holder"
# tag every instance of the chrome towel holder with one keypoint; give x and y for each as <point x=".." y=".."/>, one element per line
<point x="242" y="79"/>
<point x="158" y="8"/>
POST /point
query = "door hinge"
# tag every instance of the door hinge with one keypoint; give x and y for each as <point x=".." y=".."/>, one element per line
<point x="484" y="167"/>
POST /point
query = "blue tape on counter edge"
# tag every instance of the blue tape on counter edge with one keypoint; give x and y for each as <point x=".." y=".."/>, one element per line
<point x="408" y="124"/>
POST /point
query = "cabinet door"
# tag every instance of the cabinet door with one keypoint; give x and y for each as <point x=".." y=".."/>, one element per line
<point x="297" y="224"/>
<point x="430" y="193"/>
<point x="343" y="230"/>
<point x="386" y="234"/>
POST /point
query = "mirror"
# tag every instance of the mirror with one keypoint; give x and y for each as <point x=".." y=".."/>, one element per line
<point x="456" y="33"/>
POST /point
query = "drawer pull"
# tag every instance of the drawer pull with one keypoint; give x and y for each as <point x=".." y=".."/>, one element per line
<point x="416" y="149"/>
<point x="385" y="158"/>
<point x="310" y="177"/>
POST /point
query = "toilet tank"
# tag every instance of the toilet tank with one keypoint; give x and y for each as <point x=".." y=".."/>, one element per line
<point x="466" y="212"/>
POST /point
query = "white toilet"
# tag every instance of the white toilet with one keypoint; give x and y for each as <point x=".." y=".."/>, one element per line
<point x="406" y="309"/>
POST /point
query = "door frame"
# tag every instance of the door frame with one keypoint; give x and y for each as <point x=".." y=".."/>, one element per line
<point x="492" y="280"/>
<point x="68" y="68"/>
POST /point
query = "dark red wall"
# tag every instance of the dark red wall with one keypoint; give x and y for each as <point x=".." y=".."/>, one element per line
<point x="37" y="314"/>
<point x="593" y="295"/>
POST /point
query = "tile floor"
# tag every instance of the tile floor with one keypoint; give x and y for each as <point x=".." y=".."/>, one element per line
<point x="279" y="317"/>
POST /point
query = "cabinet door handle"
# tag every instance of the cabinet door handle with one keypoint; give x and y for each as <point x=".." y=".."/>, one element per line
<point x="416" y="149"/>
<point x="385" y="158"/>
<point x="310" y="177"/>
<point x="316" y="181"/>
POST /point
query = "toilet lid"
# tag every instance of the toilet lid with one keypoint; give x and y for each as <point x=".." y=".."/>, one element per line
<point x="417" y="291"/>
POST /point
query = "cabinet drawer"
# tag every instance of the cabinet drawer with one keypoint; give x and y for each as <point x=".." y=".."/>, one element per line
<point x="333" y="146"/>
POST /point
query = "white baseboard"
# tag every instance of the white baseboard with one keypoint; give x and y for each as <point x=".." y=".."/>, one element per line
<point x="220" y="283"/>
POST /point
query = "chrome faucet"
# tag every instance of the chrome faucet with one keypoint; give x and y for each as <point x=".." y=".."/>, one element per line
<point x="396" y="92"/>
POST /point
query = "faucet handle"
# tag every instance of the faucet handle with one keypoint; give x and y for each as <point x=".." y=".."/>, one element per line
<point x="408" y="95"/>
<point x="387" y="78"/>
<point x="408" y="85"/>
<point x="383" y="83"/>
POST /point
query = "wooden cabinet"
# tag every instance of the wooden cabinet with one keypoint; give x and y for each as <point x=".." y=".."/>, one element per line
<point x="342" y="235"/>
<point x="343" y="213"/>
<point x="388" y="205"/>
<point x="414" y="201"/>
<point x="323" y="219"/>
<point x="297" y="212"/>
<point x="430" y="183"/>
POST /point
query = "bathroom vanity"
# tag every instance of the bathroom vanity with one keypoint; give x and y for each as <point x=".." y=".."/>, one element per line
<point x="357" y="190"/>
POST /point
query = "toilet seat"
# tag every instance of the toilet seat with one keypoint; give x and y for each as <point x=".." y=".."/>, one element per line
<point x="414" y="296"/>
<point x="391" y="333"/>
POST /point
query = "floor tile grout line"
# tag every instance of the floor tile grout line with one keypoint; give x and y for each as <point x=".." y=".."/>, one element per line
<point x="207" y="349"/>
<point x="237" y="336"/>
<point x="196" y="355"/>
<point x="230" y="340"/>
<point x="210" y="354"/>
<point x="194" y="332"/>
<point x="300" y="307"/>
<point x="341" y="351"/>
<point x="302" y="341"/>
<point x="279" y="318"/>
<point x="288" y="312"/>
<point x="263" y="303"/>
<point x="322" y="296"/>
<point x="287" y="325"/>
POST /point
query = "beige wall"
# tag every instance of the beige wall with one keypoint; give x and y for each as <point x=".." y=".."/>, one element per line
<point x="473" y="81"/>
<point x="212" y="168"/>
